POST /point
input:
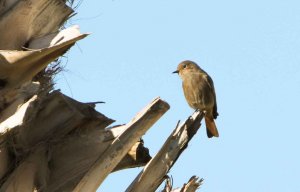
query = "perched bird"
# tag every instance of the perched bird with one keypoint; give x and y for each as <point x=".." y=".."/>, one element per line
<point x="199" y="91"/>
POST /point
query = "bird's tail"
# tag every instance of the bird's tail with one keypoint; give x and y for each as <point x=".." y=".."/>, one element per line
<point x="211" y="127"/>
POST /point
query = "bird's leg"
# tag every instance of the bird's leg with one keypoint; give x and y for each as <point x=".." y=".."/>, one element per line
<point x="202" y="111"/>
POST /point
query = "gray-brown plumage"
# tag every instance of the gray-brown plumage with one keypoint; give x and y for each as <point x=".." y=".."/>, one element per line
<point x="199" y="91"/>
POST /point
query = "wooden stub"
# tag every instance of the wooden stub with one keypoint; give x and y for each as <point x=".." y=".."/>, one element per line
<point x="154" y="172"/>
<point x="191" y="186"/>
<point x="121" y="145"/>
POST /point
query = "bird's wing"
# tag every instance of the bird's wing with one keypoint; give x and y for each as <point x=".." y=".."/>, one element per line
<point x="210" y="83"/>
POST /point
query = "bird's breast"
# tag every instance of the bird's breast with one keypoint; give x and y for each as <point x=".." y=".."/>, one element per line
<point x="192" y="93"/>
<point x="197" y="92"/>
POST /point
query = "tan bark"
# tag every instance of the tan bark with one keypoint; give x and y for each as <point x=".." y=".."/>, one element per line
<point x="74" y="136"/>
<point x="121" y="145"/>
<point x="29" y="174"/>
<point x="4" y="159"/>
<point x="18" y="67"/>
<point x="73" y="156"/>
<point x="53" y="117"/>
<point x="17" y="118"/>
<point x="17" y="102"/>
<point x="33" y="18"/>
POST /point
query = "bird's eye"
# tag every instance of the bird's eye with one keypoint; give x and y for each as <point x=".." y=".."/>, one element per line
<point x="184" y="66"/>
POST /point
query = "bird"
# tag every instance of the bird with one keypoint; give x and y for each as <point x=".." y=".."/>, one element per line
<point x="199" y="92"/>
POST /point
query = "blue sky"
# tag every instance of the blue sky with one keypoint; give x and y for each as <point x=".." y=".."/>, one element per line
<point x="250" y="49"/>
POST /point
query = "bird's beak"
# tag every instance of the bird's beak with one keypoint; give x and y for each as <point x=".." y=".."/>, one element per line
<point x="176" y="71"/>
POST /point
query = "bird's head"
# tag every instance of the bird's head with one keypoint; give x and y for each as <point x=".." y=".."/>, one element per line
<point x="187" y="67"/>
